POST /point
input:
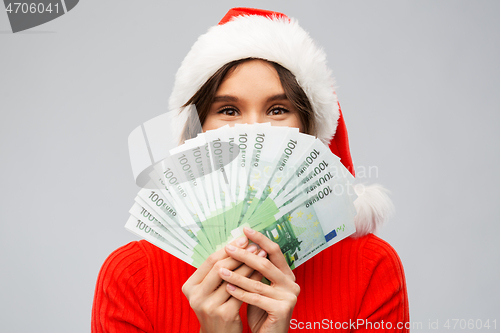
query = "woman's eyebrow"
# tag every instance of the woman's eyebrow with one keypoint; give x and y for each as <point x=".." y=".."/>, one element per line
<point x="225" y="98"/>
<point x="277" y="97"/>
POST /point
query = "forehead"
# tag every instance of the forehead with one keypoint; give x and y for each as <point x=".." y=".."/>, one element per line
<point x="250" y="77"/>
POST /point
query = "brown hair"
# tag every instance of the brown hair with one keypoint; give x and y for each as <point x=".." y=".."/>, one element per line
<point x="204" y="97"/>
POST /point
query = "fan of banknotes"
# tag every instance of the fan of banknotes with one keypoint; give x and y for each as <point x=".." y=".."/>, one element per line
<point x="276" y="180"/>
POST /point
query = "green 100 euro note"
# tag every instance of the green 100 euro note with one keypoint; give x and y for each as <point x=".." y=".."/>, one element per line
<point x="283" y="183"/>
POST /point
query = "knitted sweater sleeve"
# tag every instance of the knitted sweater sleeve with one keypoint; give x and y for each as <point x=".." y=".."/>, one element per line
<point x="384" y="304"/>
<point x="117" y="306"/>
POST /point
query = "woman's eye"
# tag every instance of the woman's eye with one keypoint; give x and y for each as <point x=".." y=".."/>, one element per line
<point x="228" y="112"/>
<point x="277" y="111"/>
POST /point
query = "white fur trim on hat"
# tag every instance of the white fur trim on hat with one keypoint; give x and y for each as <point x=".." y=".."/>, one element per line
<point x="374" y="207"/>
<point x="275" y="39"/>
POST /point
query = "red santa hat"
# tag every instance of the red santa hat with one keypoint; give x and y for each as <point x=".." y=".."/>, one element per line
<point x="256" y="33"/>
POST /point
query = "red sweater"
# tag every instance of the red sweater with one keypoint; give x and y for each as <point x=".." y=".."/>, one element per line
<point x="139" y="290"/>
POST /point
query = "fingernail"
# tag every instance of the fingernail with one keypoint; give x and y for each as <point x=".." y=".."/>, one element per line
<point x="231" y="287"/>
<point x="241" y="241"/>
<point x="250" y="231"/>
<point x="229" y="247"/>
<point x="252" y="248"/>
<point x="225" y="272"/>
<point x="262" y="253"/>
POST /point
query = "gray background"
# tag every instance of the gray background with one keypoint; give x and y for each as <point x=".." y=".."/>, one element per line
<point x="418" y="83"/>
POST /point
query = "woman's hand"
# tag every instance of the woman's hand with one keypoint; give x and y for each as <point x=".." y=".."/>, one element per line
<point x="216" y="310"/>
<point x="270" y="307"/>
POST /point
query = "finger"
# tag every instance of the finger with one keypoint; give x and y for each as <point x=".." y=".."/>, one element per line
<point x="209" y="263"/>
<point x="263" y="265"/>
<point x="250" y="285"/>
<point x="265" y="303"/>
<point x="231" y="302"/>
<point x="220" y="295"/>
<point x="212" y="280"/>
<point x="256" y="276"/>
<point x="273" y="250"/>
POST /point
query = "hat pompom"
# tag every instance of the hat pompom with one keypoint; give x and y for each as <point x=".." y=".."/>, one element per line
<point x="374" y="207"/>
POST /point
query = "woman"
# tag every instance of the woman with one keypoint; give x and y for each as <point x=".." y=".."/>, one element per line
<point x="259" y="66"/>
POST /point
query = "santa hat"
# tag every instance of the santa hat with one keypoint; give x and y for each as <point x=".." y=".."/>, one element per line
<point x="255" y="33"/>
